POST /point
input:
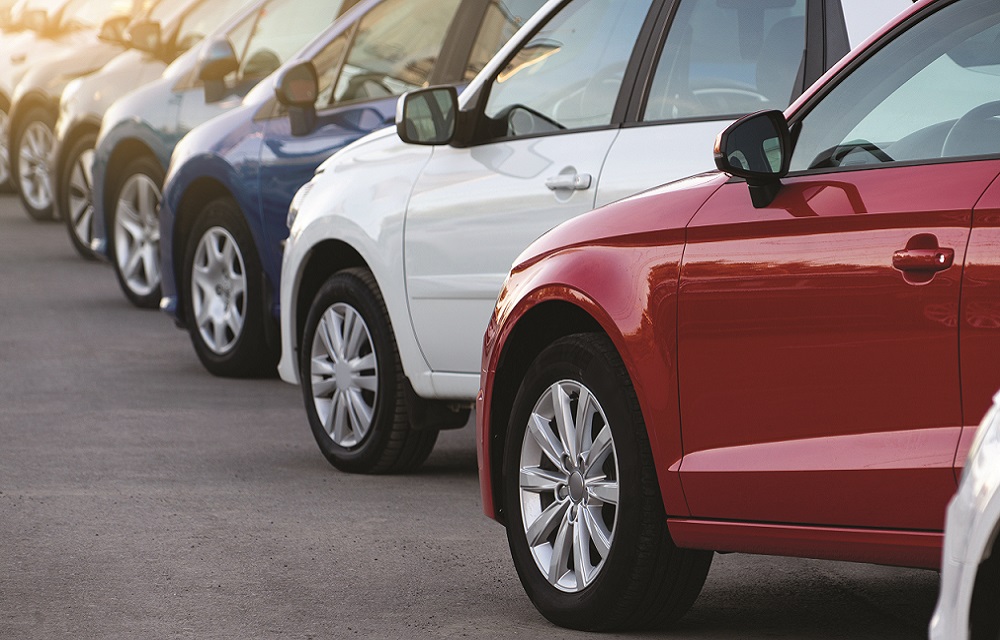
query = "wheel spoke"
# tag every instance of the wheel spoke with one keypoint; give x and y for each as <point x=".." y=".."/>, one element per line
<point x="598" y="453"/>
<point x="539" y="530"/>
<point x="597" y="532"/>
<point x="326" y="330"/>
<point x="561" y="550"/>
<point x="340" y="420"/>
<point x="564" y="421"/>
<point x="538" y="480"/>
<point x="603" y="491"/>
<point x="321" y="366"/>
<point x="361" y="413"/>
<point x="538" y="427"/>
<point x="585" y="411"/>
<point x="581" y="552"/>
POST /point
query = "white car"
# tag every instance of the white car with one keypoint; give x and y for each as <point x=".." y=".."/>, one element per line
<point x="967" y="607"/>
<point x="397" y="251"/>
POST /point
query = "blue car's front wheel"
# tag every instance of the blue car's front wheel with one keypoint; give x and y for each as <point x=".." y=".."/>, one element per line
<point x="224" y="306"/>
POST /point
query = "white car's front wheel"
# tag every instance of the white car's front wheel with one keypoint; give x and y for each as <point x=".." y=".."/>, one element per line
<point x="352" y="381"/>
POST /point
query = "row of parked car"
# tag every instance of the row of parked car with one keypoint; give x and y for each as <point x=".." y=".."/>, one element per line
<point x="786" y="355"/>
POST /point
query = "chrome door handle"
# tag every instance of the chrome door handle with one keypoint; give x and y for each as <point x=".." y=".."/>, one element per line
<point x="569" y="182"/>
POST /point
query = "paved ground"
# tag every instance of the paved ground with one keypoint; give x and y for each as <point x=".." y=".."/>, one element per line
<point x="142" y="498"/>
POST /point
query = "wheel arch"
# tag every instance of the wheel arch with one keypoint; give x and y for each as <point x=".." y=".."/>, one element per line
<point x="983" y="622"/>
<point x="124" y="152"/>
<point x="324" y="259"/>
<point x="24" y="105"/>
<point x="70" y="138"/>
<point x="539" y="327"/>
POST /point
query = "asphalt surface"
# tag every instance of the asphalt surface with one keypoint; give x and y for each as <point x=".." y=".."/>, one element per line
<point x="140" y="497"/>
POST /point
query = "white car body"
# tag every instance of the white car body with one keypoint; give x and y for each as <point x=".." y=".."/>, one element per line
<point x="971" y="530"/>
<point x="440" y="226"/>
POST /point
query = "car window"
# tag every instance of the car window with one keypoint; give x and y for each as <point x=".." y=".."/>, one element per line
<point x="912" y="101"/>
<point x="282" y="28"/>
<point x="503" y="19"/>
<point x="90" y="14"/>
<point x="865" y="17"/>
<point x="724" y="58"/>
<point x="203" y="20"/>
<point x="568" y="75"/>
<point x="394" y="49"/>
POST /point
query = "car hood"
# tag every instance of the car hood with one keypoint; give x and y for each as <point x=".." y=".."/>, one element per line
<point x="52" y="75"/>
<point x="664" y="208"/>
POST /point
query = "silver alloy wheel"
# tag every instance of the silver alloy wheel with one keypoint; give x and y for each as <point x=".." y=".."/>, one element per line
<point x="81" y="205"/>
<point x="34" y="155"/>
<point x="344" y="375"/>
<point x="219" y="290"/>
<point x="137" y="234"/>
<point x="568" y="486"/>
<point x="4" y="150"/>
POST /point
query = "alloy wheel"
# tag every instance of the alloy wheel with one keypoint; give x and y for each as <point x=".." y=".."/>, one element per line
<point x="568" y="486"/>
<point x="137" y="234"/>
<point x="81" y="206"/>
<point x="4" y="150"/>
<point x="219" y="290"/>
<point x="344" y="375"/>
<point x="33" y="165"/>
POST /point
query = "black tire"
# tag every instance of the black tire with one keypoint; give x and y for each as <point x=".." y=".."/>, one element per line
<point x="641" y="579"/>
<point x="239" y="351"/>
<point x="387" y="444"/>
<point x="142" y="288"/>
<point x="6" y="181"/>
<point x="74" y="195"/>
<point x="40" y="122"/>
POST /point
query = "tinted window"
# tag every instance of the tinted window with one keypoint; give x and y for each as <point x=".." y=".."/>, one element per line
<point x="569" y="75"/>
<point x="395" y="49"/>
<point x="503" y="19"/>
<point x="203" y="20"/>
<point x="728" y="57"/>
<point x="281" y="29"/>
<point x="933" y="92"/>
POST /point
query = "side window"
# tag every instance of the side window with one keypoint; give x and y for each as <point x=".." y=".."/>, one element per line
<point x="724" y="58"/>
<point x="865" y="17"/>
<point x="327" y="64"/>
<point x="503" y="19"/>
<point x="282" y="28"/>
<point x="913" y="102"/>
<point x="394" y="49"/>
<point x="203" y="20"/>
<point x="569" y="75"/>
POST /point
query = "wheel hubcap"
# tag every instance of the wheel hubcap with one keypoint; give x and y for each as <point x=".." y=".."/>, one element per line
<point x="33" y="165"/>
<point x="137" y="234"/>
<point x="218" y="290"/>
<point x="81" y="207"/>
<point x="568" y="486"/>
<point x="344" y="375"/>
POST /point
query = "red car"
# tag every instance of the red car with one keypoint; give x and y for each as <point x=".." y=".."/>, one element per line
<point x="785" y="357"/>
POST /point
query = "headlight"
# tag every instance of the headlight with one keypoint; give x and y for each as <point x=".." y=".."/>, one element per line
<point x="293" y="209"/>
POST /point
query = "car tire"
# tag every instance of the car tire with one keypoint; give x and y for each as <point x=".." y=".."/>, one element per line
<point x="224" y="303"/>
<point x="74" y="192"/>
<point x="6" y="177"/>
<point x="593" y="505"/>
<point x="361" y="423"/>
<point x="134" y="231"/>
<point x="31" y="158"/>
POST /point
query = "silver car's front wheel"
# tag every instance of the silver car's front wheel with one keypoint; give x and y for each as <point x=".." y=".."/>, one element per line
<point x="76" y="195"/>
<point x="568" y="486"/>
<point x="136" y="233"/>
<point x="34" y="155"/>
<point x="344" y="375"/>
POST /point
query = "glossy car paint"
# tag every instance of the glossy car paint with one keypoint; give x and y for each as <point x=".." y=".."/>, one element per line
<point x="438" y="303"/>
<point x="804" y="397"/>
<point x="969" y="578"/>
<point x="255" y="159"/>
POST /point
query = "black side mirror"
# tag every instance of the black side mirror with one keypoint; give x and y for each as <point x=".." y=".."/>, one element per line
<point x="427" y="116"/>
<point x="756" y="147"/>
<point x="145" y="36"/>
<point x="113" y="29"/>
<point x="297" y="87"/>
<point x="217" y="61"/>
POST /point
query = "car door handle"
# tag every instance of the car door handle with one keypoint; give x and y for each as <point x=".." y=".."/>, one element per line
<point x="569" y="182"/>
<point x="937" y="259"/>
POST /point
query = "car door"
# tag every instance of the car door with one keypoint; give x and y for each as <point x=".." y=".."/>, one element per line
<point x="362" y="71"/>
<point x="720" y="60"/>
<point x="545" y="126"/>
<point x="818" y="336"/>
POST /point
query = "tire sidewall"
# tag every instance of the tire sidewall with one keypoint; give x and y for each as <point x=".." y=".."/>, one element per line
<point x="348" y="288"/>
<point x="149" y="167"/>
<point x="567" y="360"/>
<point x="83" y="144"/>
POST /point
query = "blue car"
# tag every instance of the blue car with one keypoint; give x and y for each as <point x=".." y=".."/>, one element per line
<point x="140" y="130"/>
<point x="231" y="181"/>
